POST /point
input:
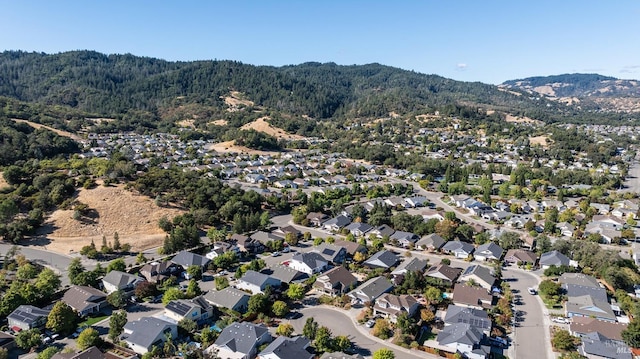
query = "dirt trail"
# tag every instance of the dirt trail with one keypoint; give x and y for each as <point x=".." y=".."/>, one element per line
<point x="59" y="132"/>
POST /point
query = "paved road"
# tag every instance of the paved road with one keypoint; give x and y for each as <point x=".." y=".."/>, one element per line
<point x="342" y="324"/>
<point x="632" y="182"/>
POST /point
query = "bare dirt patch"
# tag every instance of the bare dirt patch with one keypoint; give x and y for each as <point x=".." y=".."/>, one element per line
<point x="540" y="140"/>
<point x="3" y="183"/>
<point x="186" y="123"/>
<point x="262" y="125"/>
<point x="236" y="102"/>
<point x="59" y="132"/>
<point x="517" y="119"/>
<point x="230" y="146"/>
<point x="134" y="217"/>
<point x="219" y="123"/>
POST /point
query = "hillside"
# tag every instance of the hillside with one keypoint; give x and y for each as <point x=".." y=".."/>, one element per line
<point x="587" y="91"/>
<point x="152" y="93"/>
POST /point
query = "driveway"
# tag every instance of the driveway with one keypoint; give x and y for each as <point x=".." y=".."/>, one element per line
<point x="340" y="323"/>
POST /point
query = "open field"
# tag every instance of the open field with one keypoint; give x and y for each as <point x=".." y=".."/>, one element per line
<point x="59" y="132"/>
<point x="262" y="125"/>
<point x="539" y="140"/>
<point x="134" y="217"/>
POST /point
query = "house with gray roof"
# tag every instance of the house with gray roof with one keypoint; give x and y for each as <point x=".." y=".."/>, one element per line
<point x="370" y="290"/>
<point x="196" y="309"/>
<point x="358" y="229"/>
<point x="335" y="281"/>
<point x="85" y="300"/>
<point x="475" y="317"/>
<point x="285" y="274"/>
<point x="520" y="257"/>
<point x="157" y="272"/>
<point x="458" y="248"/>
<point x="230" y="298"/>
<point x="466" y="339"/>
<point x="586" y="298"/>
<point x="240" y="341"/>
<point x="256" y="282"/>
<point x="479" y="275"/>
<point x="431" y="242"/>
<point x="147" y="332"/>
<point x="488" y="251"/>
<point x="265" y="237"/>
<point x="382" y="259"/>
<point x="404" y="239"/>
<point x="444" y="273"/>
<point x="310" y="263"/>
<point x="27" y="317"/>
<point x="287" y="348"/>
<point x="336" y="224"/>
<point x="316" y="218"/>
<point x="382" y="231"/>
<point x="89" y="353"/>
<point x="553" y="258"/>
<point x="351" y="247"/>
<point x="332" y="253"/>
<point x="412" y="264"/>
<point x="186" y="259"/>
<point x="341" y="355"/>
<point x="116" y="280"/>
<point x="596" y="345"/>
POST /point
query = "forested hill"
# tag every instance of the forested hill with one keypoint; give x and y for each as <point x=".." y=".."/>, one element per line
<point x="153" y="89"/>
<point x="586" y="90"/>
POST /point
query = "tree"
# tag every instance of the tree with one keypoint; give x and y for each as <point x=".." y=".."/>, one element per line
<point x="26" y="272"/>
<point x="193" y="289"/>
<point x="118" y="265"/>
<point x="62" y="318"/>
<point x="426" y="315"/>
<point x="258" y="303"/>
<point x="116" y="324"/>
<point x="280" y="309"/>
<point x="145" y="289"/>
<point x="172" y="293"/>
<point x="631" y="335"/>
<point x="116" y="242"/>
<point x="446" y="229"/>
<point x="296" y="291"/>
<point x="88" y="338"/>
<point x="310" y="328"/>
<point x="322" y="341"/>
<point x="563" y="340"/>
<point x="75" y="269"/>
<point x="47" y="282"/>
<point x="194" y="272"/>
<point x="384" y="353"/>
<point x="382" y="329"/>
<point x="285" y="329"/>
<point x="433" y="294"/>
<point x="47" y="353"/>
<point x="29" y="339"/>
<point x="341" y="343"/>
<point x="221" y="282"/>
<point x="510" y="240"/>
<point x="208" y="336"/>
<point x="140" y="258"/>
<point x="4" y="354"/>
<point x="117" y="299"/>
<point x="549" y="288"/>
<point x="188" y="325"/>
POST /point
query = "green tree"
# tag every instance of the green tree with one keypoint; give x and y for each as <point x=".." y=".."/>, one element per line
<point x="296" y="291"/>
<point x="62" y="318"/>
<point x="258" y="303"/>
<point x="549" y="288"/>
<point x="117" y="299"/>
<point x="28" y="339"/>
<point x="207" y="336"/>
<point x="384" y="353"/>
<point x="563" y="340"/>
<point x="117" y="322"/>
<point x="341" y="343"/>
<point x="194" y="272"/>
<point x="285" y="329"/>
<point x="117" y="264"/>
<point x="221" y="282"/>
<point x="323" y="341"/>
<point x="47" y="282"/>
<point x="4" y="354"/>
<point x="193" y="289"/>
<point x="631" y="335"/>
<point x="172" y="293"/>
<point x="310" y="328"/>
<point x="26" y="272"/>
<point x="433" y="295"/>
<point x="188" y="326"/>
<point x="280" y="308"/>
<point x="47" y="353"/>
<point x="140" y="258"/>
<point x="116" y="242"/>
<point x="88" y="338"/>
<point x="75" y="269"/>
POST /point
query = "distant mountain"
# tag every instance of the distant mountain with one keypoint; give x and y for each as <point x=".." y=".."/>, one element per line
<point x="587" y="91"/>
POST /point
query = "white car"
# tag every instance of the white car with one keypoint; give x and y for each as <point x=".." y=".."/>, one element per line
<point x="560" y="320"/>
<point x="532" y="291"/>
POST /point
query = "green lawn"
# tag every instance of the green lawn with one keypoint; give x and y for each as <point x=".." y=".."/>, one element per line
<point x="92" y="320"/>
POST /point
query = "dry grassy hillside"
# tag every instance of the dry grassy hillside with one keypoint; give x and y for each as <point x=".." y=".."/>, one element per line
<point x="134" y="217"/>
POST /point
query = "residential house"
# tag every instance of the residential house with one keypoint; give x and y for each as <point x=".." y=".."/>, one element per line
<point x="464" y="338"/>
<point x="89" y="353"/>
<point x="416" y="201"/>
<point x="316" y="219"/>
<point x="336" y="224"/>
<point x="488" y="251"/>
<point x="382" y="231"/>
<point x="230" y="298"/>
<point x="289" y="230"/>
<point x="85" y="300"/>
<point x="247" y="244"/>
<point x="476" y="317"/>
<point x="332" y="253"/>
<point x="157" y="272"/>
<point x="256" y="282"/>
<point x="472" y="297"/>
<point x="310" y="263"/>
<point x="351" y="247"/>
<point x="116" y="280"/>
<point x="335" y="281"/>
<point x="478" y="275"/>
<point x="340" y="355"/>
<point x="358" y="229"/>
<point x="520" y="257"/>
<point x="370" y="290"/>
<point x="147" y="332"/>
<point x="586" y="298"/>
<point x="27" y="317"/>
<point x="220" y="248"/>
<point x="596" y="345"/>
<point x="581" y="326"/>
<point x="443" y="272"/>
<point x="265" y="237"/>
<point x="554" y="258"/>
<point x="382" y="259"/>
<point x="429" y="214"/>
<point x="196" y="309"/>
<point x="404" y="239"/>
<point x="287" y="348"/>
<point x="396" y="202"/>
<point x="602" y="208"/>
<point x="186" y="259"/>
<point x="458" y="248"/>
<point x="391" y="306"/>
<point x="412" y="264"/>
<point x="240" y="341"/>
<point x="286" y="274"/>
<point x="431" y="242"/>
<point x="566" y="229"/>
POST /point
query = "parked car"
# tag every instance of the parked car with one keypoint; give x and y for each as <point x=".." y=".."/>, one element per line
<point x="275" y="254"/>
<point x="560" y="320"/>
<point x="499" y="342"/>
<point x="370" y="323"/>
<point x="532" y="291"/>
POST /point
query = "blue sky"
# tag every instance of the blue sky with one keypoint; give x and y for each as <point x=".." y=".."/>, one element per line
<point x="489" y="41"/>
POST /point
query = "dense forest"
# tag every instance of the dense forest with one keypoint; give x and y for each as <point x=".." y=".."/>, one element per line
<point x="152" y="93"/>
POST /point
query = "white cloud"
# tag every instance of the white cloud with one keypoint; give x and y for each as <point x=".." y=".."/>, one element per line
<point x="461" y="66"/>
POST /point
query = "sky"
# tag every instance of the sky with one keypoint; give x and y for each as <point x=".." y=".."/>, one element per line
<point x="490" y="41"/>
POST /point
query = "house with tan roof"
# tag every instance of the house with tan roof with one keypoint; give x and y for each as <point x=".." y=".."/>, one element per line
<point x="391" y="305"/>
